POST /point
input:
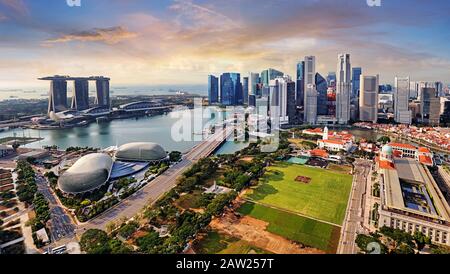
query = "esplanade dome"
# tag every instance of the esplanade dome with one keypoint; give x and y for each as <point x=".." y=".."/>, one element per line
<point x="141" y="152"/>
<point x="387" y="149"/>
<point x="87" y="174"/>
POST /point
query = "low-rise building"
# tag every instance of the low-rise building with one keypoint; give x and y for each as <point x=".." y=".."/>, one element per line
<point x="410" y="198"/>
<point x="421" y="154"/>
<point x="336" y="141"/>
<point x="5" y="151"/>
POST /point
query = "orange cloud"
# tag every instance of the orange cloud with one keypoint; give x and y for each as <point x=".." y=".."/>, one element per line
<point x="112" y="35"/>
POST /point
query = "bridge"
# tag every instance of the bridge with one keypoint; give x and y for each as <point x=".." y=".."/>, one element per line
<point x="15" y="124"/>
<point x="154" y="190"/>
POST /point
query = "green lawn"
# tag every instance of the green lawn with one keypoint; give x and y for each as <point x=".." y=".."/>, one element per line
<point x="191" y="200"/>
<point x="324" y="198"/>
<point x="216" y="243"/>
<point x="296" y="228"/>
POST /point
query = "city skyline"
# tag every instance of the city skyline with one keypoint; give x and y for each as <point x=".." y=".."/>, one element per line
<point x="142" y="42"/>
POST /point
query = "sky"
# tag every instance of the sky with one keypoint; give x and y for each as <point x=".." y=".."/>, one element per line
<point x="150" y="42"/>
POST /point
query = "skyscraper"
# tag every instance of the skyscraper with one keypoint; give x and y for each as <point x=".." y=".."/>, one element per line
<point x="253" y="84"/>
<point x="281" y="89"/>
<point x="310" y="90"/>
<point x="343" y="89"/>
<point x="402" y="113"/>
<point x="356" y="73"/>
<point x="58" y="96"/>
<point x="439" y="86"/>
<point x="265" y="77"/>
<point x="103" y="98"/>
<point x="331" y="79"/>
<point x="292" y="104"/>
<point x="421" y="85"/>
<point x="230" y="89"/>
<point x="80" y="98"/>
<point x="430" y="106"/>
<point x="270" y="74"/>
<point x="213" y="89"/>
<point x="300" y="82"/>
<point x="445" y="116"/>
<point x="245" y="86"/>
<point x="322" y="98"/>
<point x="368" y="98"/>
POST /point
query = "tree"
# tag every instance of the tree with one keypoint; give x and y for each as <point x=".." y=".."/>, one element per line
<point x="149" y="243"/>
<point x="117" y="247"/>
<point x="95" y="241"/>
<point x="127" y="230"/>
<point x="421" y="240"/>
<point x="384" y="140"/>
<point x="175" y="156"/>
<point x="404" y="249"/>
<point x="440" y="250"/>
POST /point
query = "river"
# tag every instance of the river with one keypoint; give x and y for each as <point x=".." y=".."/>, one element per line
<point x="156" y="129"/>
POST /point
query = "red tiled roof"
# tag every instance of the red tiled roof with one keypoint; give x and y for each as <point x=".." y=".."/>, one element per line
<point x="426" y="160"/>
<point x="424" y="150"/>
<point x="386" y="165"/>
<point x="401" y="145"/>
<point x="315" y="130"/>
<point x="319" y="153"/>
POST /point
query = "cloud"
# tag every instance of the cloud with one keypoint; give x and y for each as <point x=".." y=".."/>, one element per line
<point x="16" y="6"/>
<point x="183" y="41"/>
<point x="198" y="16"/>
<point x="3" y="17"/>
<point x="111" y="35"/>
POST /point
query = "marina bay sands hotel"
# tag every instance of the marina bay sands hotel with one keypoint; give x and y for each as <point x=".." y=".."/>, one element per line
<point x="80" y="100"/>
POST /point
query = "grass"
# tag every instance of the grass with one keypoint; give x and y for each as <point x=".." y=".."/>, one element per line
<point x="189" y="201"/>
<point x="296" y="228"/>
<point x="217" y="243"/>
<point x="325" y="198"/>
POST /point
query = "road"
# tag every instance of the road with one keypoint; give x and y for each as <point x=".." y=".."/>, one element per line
<point x="61" y="225"/>
<point x="354" y="217"/>
<point x="150" y="193"/>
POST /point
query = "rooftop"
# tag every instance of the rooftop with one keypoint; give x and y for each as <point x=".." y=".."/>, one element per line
<point x="335" y="142"/>
<point x="424" y="150"/>
<point x="410" y="187"/>
<point x="401" y="145"/>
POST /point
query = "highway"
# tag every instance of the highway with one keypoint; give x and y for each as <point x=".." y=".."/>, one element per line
<point x="150" y="193"/>
<point x="61" y="225"/>
<point x="354" y="218"/>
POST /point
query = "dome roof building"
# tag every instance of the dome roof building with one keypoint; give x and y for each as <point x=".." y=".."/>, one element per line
<point x="87" y="174"/>
<point x="141" y="152"/>
<point x="387" y="149"/>
<point x="387" y="153"/>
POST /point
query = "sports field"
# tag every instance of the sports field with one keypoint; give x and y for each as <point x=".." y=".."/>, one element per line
<point x="324" y="198"/>
<point x="217" y="243"/>
<point x="296" y="228"/>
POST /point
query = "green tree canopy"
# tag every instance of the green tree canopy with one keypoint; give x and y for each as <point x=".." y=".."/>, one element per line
<point x="95" y="241"/>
